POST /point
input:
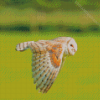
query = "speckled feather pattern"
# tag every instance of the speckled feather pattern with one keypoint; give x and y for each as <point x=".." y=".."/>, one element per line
<point x="47" y="60"/>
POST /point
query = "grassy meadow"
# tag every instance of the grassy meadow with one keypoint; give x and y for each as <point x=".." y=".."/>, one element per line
<point x="78" y="79"/>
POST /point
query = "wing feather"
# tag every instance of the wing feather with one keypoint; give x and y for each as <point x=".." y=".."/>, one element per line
<point x="37" y="67"/>
<point x="42" y="76"/>
<point x="39" y="83"/>
<point x="44" y="66"/>
<point x="40" y="70"/>
<point x="51" y="80"/>
<point x="47" y="81"/>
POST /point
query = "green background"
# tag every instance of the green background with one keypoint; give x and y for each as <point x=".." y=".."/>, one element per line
<point x="78" y="79"/>
<point x="33" y="20"/>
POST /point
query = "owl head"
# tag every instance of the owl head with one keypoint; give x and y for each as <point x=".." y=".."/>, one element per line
<point x="71" y="46"/>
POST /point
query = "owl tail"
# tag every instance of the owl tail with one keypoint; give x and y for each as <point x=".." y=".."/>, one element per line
<point x="23" y="46"/>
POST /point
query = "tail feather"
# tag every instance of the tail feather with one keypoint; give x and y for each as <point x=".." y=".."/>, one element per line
<point x="23" y="46"/>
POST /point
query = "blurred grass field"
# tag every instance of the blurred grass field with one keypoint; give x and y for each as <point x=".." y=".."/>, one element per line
<point x="10" y="16"/>
<point x="32" y="20"/>
<point x="79" y="78"/>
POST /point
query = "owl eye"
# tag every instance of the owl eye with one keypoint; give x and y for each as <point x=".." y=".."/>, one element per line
<point x="71" y="45"/>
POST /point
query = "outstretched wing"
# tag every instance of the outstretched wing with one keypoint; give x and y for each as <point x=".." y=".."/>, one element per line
<point x="23" y="46"/>
<point x="46" y="63"/>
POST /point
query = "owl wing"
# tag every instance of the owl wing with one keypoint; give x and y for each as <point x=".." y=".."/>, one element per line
<point x="46" y="63"/>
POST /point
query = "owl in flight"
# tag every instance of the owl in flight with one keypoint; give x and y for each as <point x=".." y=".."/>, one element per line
<point x="47" y="59"/>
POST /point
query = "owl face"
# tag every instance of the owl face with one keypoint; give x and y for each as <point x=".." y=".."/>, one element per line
<point x="72" y="47"/>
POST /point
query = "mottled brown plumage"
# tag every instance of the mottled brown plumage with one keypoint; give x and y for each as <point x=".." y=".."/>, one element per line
<point x="47" y="59"/>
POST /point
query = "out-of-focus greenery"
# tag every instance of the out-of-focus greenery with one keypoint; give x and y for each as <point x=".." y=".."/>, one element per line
<point x="30" y="20"/>
<point x="50" y="5"/>
<point x="48" y="15"/>
<point x="33" y="20"/>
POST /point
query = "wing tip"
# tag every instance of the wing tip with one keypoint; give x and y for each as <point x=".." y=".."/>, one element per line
<point x="18" y="50"/>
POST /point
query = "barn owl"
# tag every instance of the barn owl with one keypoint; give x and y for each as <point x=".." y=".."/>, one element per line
<point x="47" y="59"/>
